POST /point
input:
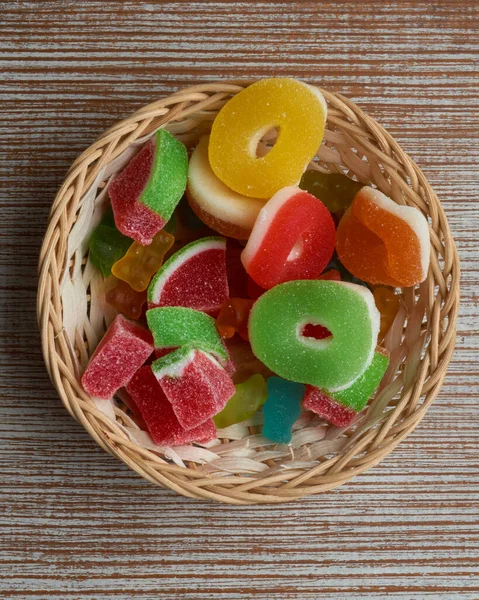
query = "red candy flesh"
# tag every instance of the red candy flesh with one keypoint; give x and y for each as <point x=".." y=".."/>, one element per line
<point x="327" y="408"/>
<point x="200" y="283"/>
<point x="158" y="413"/>
<point x="121" y="352"/>
<point x="293" y="238"/>
<point x="133" y="218"/>
<point x="201" y="390"/>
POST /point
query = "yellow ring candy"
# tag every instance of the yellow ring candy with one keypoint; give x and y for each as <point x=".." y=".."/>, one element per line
<point x="296" y="109"/>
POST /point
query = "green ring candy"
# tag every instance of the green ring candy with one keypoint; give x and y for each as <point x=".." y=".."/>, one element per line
<point x="347" y="310"/>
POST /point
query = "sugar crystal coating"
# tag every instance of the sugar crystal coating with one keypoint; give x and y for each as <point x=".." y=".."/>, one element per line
<point x="174" y="326"/>
<point x="292" y="238"/>
<point x="196" y="385"/>
<point x="158" y="413"/>
<point x="382" y="242"/>
<point x="281" y="409"/>
<point x="123" y="349"/>
<point x="167" y="181"/>
<point x="279" y="316"/>
<point x="194" y="277"/>
<point x="295" y="108"/>
<point x="336" y="407"/>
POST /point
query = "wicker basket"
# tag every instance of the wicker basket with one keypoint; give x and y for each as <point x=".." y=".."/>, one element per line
<point x="242" y="467"/>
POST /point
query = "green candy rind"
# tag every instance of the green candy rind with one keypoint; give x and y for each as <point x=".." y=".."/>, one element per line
<point x="107" y="245"/>
<point x="173" y="326"/>
<point x="357" y="396"/>
<point x="178" y="259"/>
<point x="344" y="308"/>
<point x="167" y="182"/>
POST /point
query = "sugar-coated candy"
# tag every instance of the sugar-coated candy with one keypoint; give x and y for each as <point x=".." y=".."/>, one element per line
<point x="293" y="238"/>
<point x="140" y="263"/>
<point x="382" y="242"/>
<point x="279" y="316"/>
<point x="194" y="277"/>
<point x="247" y="400"/>
<point x="196" y="385"/>
<point x="337" y="266"/>
<point x="340" y="408"/>
<point x="107" y="244"/>
<point x="335" y="190"/>
<point x="158" y="413"/>
<point x="296" y="109"/>
<point x="167" y="182"/>
<point x="388" y="304"/>
<point x="233" y="317"/>
<point x="126" y="300"/>
<point x="132" y="217"/>
<point x="121" y="352"/>
<point x="331" y="275"/>
<point x="174" y="326"/>
<point x="281" y="409"/>
<point x="221" y="208"/>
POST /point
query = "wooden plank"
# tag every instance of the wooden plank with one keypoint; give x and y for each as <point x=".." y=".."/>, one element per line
<point x="75" y="522"/>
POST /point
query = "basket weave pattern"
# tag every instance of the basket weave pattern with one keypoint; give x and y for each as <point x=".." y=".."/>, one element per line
<point x="242" y="467"/>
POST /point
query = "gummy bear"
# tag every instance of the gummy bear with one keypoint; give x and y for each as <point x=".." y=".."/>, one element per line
<point x="126" y="300"/>
<point x="233" y="318"/>
<point x="281" y="409"/>
<point x="248" y="399"/>
<point x="388" y="303"/>
<point x="107" y="244"/>
<point x="334" y="190"/>
<point x="140" y="263"/>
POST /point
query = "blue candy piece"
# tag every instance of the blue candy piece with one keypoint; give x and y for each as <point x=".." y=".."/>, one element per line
<point x="282" y="409"/>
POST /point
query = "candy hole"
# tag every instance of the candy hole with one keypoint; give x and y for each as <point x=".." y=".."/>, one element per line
<point x="264" y="140"/>
<point x="314" y="334"/>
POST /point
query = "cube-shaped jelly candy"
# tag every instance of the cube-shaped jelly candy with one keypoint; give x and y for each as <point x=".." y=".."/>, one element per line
<point x="196" y="385"/>
<point x="121" y="352"/>
<point x="340" y="408"/>
<point x="145" y="194"/>
<point x="175" y="326"/>
<point x="158" y="413"/>
<point x="281" y="409"/>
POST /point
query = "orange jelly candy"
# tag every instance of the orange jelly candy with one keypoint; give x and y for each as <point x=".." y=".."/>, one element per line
<point x="381" y="242"/>
<point x="140" y="263"/>
<point x="297" y="110"/>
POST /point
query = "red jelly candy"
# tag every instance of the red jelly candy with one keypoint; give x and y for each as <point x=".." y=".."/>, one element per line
<point x="121" y="352"/>
<point x="237" y="276"/>
<point x="254" y="290"/>
<point x="292" y="238"/>
<point x="132" y="217"/>
<point x="196" y="385"/>
<point x="325" y="406"/>
<point x="331" y="275"/>
<point x="233" y="318"/>
<point x="158" y="413"/>
<point x="318" y="332"/>
<point x="126" y="300"/>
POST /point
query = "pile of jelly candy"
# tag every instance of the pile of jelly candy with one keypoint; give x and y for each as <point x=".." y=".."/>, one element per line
<point x="247" y="279"/>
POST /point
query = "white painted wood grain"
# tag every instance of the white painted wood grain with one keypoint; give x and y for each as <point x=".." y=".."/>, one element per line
<point x="74" y="522"/>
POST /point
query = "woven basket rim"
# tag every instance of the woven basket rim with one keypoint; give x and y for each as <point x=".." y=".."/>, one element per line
<point x="438" y="296"/>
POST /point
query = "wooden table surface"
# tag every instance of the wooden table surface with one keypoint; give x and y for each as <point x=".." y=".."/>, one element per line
<point x="75" y="522"/>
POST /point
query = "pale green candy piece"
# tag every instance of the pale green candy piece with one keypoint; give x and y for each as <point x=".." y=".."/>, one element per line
<point x="278" y="318"/>
<point x="248" y="399"/>
<point x="356" y="397"/>
<point x="167" y="182"/>
<point x="174" y="326"/>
